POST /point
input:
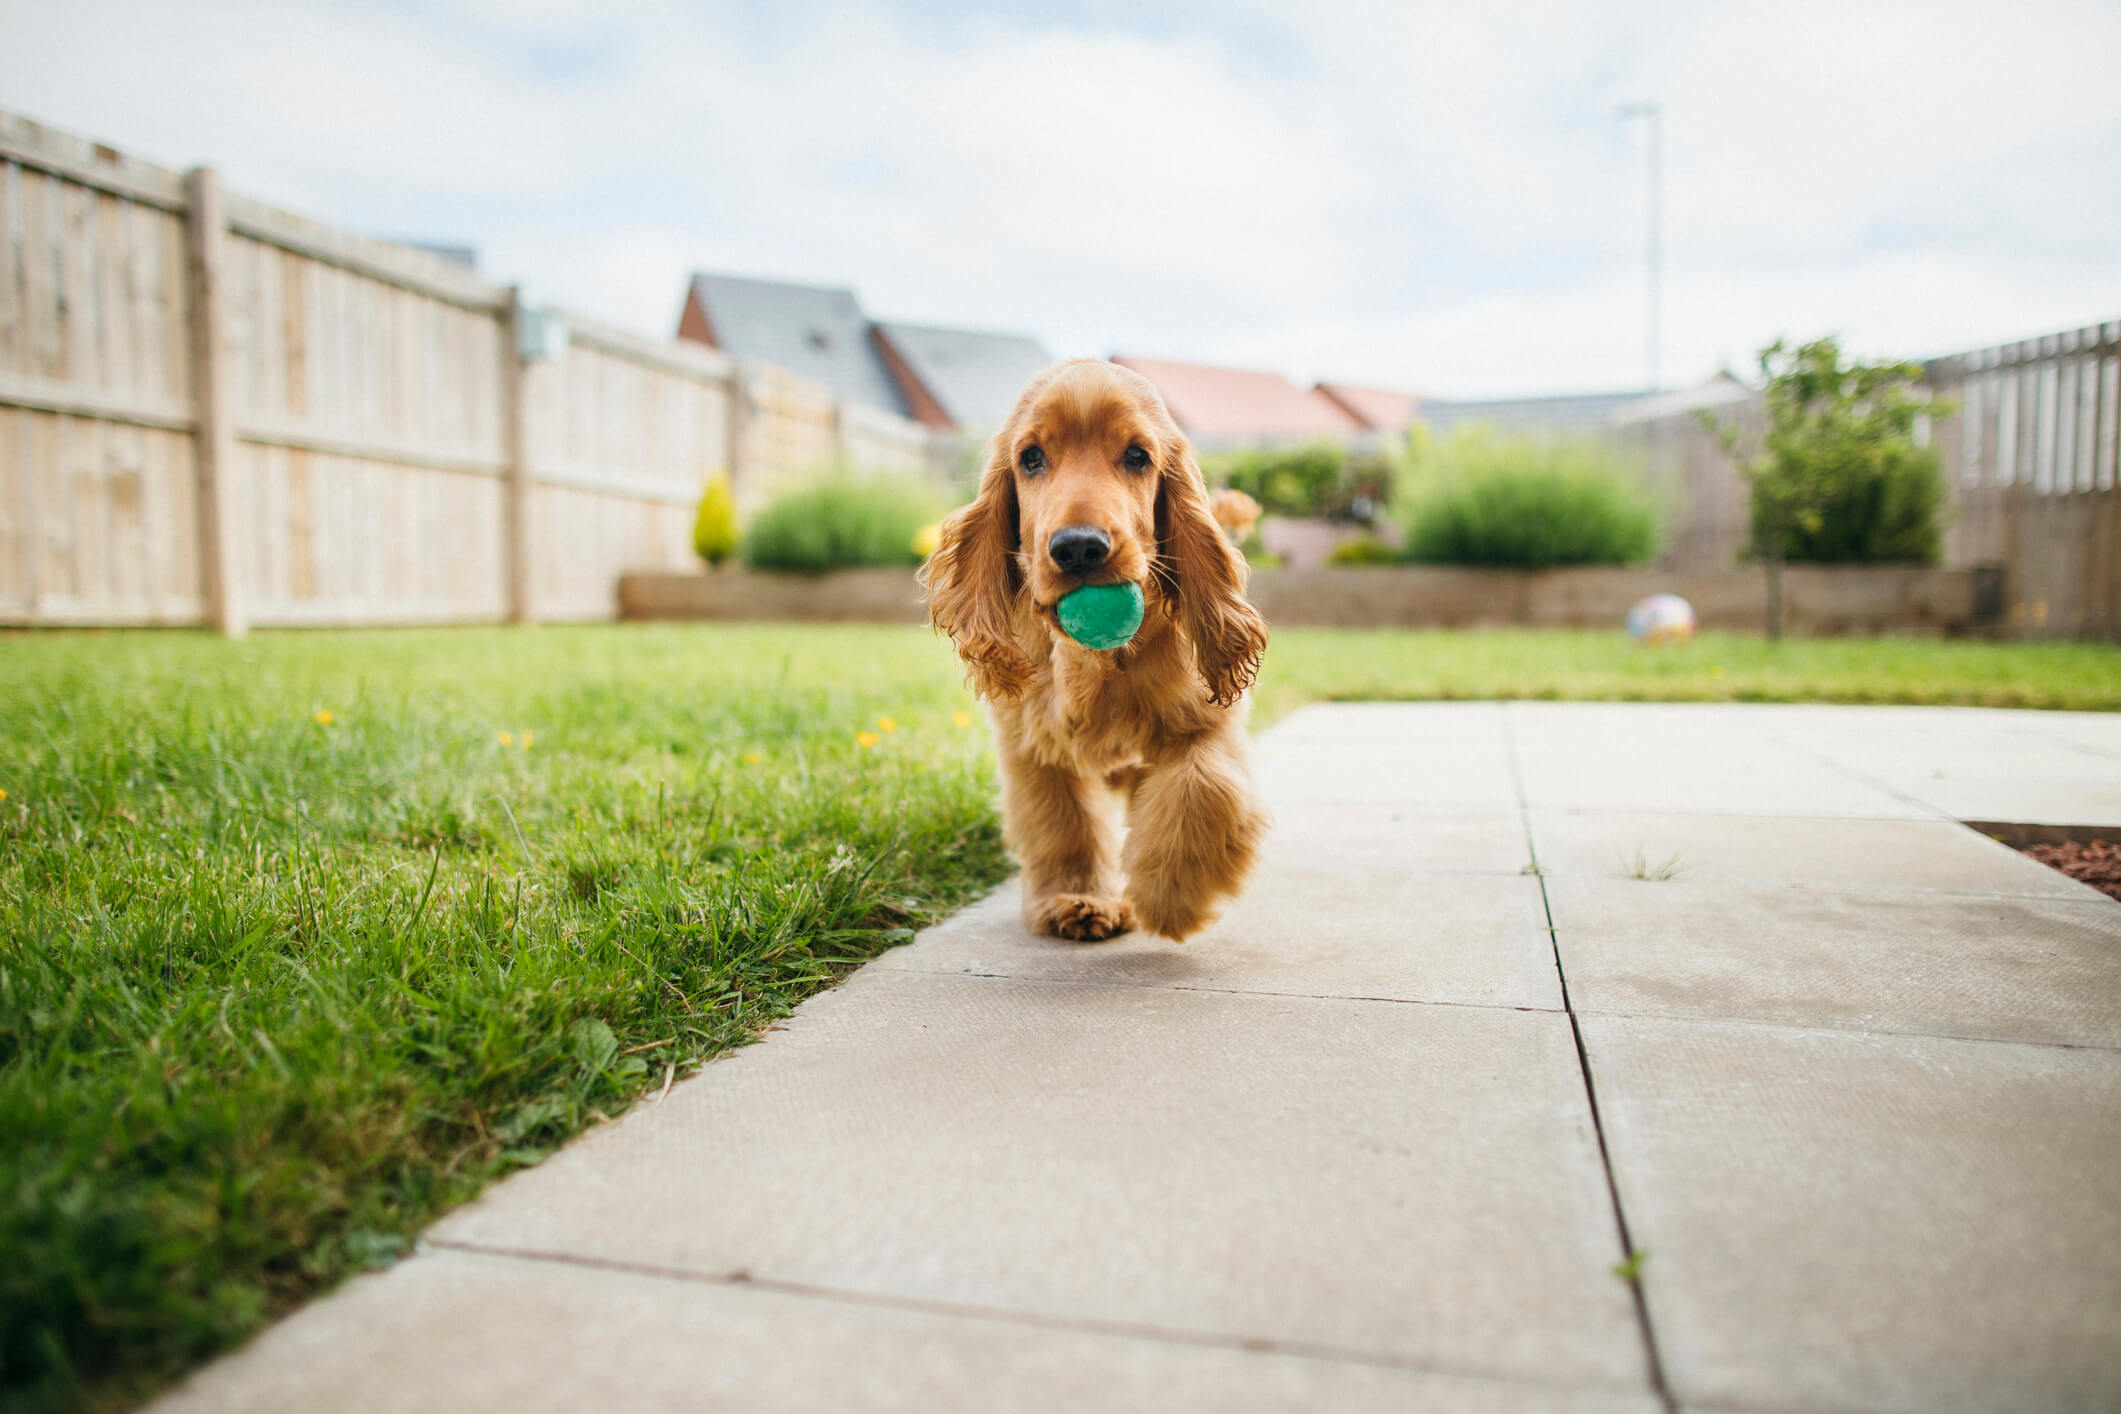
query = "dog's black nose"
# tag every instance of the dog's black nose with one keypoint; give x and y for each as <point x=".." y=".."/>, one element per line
<point x="1078" y="549"/>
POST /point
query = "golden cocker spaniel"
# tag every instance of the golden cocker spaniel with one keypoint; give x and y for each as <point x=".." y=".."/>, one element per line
<point x="1091" y="483"/>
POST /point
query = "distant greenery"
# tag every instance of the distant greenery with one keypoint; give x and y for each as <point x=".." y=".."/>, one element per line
<point x="305" y="939"/>
<point x="1838" y="477"/>
<point x="714" y="532"/>
<point x="842" y="523"/>
<point x="1318" y="480"/>
<point x="1478" y="498"/>
<point x="1362" y="550"/>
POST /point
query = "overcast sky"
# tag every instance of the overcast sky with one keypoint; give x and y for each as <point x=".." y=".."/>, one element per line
<point x="1435" y="197"/>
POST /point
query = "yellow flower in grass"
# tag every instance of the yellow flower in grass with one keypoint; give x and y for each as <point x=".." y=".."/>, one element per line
<point x="323" y="719"/>
<point x="526" y="741"/>
<point x="1716" y="670"/>
<point x="3" y="795"/>
<point x="963" y="719"/>
<point x="867" y="739"/>
<point x="507" y="738"/>
<point x="752" y="758"/>
<point x="886" y="724"/>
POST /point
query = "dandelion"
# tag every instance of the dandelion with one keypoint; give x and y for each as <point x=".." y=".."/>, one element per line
<point x="963" y="719"/>
<point x="507" y="738"/>
<point x="752" y="758"/>
<point x="526" y="741"/>
<point x="323" y="719"/>
<point x="887" y="724"/>
<point x="867" y="739"/>
<point x="1716" y="670"/>
<point x="3" y="795"/>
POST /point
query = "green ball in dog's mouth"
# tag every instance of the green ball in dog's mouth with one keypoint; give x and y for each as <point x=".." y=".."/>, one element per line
<point x="1101" y="616"/>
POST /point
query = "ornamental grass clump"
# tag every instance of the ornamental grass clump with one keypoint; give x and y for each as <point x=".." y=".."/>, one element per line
<point x="842" y="523"/>
<point x="1522" y="503"/>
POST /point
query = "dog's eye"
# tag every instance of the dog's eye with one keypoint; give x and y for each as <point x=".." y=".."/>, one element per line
<point x="1032" y="459"/>
<point x="1136" y="459"/>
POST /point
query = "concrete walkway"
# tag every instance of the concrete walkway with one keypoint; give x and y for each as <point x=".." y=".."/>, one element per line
<point x="1848" y="1073"/>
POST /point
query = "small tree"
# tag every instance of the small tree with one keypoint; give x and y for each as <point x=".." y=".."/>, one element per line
<point x="714" y="529"/>
<point x="1837" y="476"/>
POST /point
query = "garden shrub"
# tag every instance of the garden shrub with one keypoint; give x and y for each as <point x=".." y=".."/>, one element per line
<point x="1527" y="503"/>
<point x="841" y="523"/>
<point x="714" y="533"/>
<point x="1362" y="550"/>
<point x="1319" y="479"/>
<point x="1838" y="477"/>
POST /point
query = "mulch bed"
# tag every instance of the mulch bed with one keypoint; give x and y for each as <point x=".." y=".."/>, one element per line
<point x="2094" y="862"/>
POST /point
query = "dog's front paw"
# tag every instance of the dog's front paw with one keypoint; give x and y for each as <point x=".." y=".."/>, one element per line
<point x="1083" y="917"/>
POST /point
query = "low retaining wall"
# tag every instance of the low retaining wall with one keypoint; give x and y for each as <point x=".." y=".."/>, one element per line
<point x="1817" y="600"/>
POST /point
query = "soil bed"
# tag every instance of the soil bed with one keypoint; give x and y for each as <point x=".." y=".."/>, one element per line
<point x="2094" y="862"/>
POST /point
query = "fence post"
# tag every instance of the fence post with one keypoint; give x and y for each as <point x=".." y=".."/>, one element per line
<point x="213" y="392"/>
<point x="515" y="484"/>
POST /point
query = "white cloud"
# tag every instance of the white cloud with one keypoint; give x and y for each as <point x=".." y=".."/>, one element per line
<point x="1425" y="195"/>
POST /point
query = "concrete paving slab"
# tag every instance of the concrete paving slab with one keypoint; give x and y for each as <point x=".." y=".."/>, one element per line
<point x="1845" y="1222"/>
<point x="1474" y="939"/>
<point x="1932" y="855"/>
<point x="1613" y="761"/>
<point x="1399" y="839"/>
<point x="1441" y="755"/>
<point x="466" y="1331"/>
<point x="2028" y="767"/>
<point x="2014" y="969"/>
<point x="1413" y="1183"/>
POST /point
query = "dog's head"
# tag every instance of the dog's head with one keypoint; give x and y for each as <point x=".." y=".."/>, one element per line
<point x="1090" y="482"/>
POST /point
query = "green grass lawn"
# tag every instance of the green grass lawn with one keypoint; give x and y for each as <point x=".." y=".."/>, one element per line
<point x="308" y="937"/>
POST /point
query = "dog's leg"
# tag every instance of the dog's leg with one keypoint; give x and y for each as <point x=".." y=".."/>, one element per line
<point x="1063" y="828"/>
<point x="1193" y="832"/>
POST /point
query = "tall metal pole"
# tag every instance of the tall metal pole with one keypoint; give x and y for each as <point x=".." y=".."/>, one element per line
<point x="1654" y="114"/>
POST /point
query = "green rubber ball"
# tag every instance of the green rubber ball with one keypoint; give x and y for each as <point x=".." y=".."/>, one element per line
<point x="1101" y="616"/>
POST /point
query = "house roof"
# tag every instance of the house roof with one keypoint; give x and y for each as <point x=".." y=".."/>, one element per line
<point x="974" y="376"/>
<point x="1719" y="391"/>
<point x="818" y="331"/>
<point x="1376" y="408"/>
<point x="1229" y="404"/>
<point x="1570" y="412"/>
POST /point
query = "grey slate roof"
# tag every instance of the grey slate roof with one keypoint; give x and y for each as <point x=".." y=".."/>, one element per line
<point x="975" y="376"/>
<point x="1575" y="412"/>
<point x="815" y="330"/>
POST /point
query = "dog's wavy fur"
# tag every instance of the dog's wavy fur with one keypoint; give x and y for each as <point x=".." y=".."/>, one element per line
<point x="1159" y="721"/>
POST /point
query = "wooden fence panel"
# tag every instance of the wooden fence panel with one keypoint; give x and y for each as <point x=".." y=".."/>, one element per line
<point x="95" y="455"/>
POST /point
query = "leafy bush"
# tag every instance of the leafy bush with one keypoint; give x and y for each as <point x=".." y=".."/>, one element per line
<point x="1318" y="479"/>
<point x="1839" y="478"/>
<point x="1362" y="550"/>
<point x="1527" y="504"/>
<point x="714" y="529"/>
<point x="841" y="523"/>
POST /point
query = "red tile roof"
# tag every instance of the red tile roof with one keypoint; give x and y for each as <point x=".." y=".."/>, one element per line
<point x="1376" y="408"/>
<point x="1233" y="403"/>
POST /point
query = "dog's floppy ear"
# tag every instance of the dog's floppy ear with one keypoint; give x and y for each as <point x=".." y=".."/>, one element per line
<point x="973" y="581"/>
<point x="1203" y="578"/>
